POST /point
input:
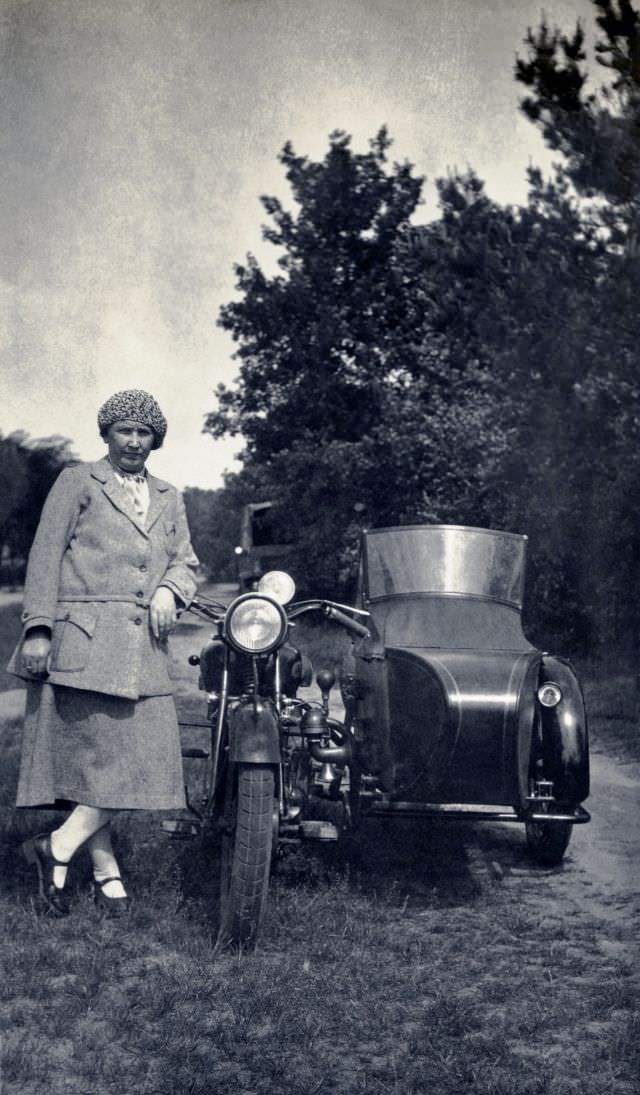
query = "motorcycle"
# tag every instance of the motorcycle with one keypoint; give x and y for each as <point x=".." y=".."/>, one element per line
<point x="273" y="756"/>
<point x="449" y="710"/>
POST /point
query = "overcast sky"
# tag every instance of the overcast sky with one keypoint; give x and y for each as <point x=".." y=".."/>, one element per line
<point x="138" y="137"/>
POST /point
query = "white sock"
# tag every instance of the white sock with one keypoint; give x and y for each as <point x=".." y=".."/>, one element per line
<point x="105" y="864"/>
<point x="81" y="824"/>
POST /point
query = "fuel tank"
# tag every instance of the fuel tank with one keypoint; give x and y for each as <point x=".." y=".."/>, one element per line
<point x="295" y="669"/>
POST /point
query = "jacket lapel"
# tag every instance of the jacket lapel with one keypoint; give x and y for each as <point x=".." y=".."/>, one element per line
<point x="158" y="498"/>
<point x="117" y="495"/>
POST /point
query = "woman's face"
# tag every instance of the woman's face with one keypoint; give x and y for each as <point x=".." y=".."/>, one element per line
<point x="129" y="444"/>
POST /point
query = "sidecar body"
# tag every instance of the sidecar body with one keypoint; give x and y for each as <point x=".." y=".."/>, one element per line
<point x="454" y="712"/>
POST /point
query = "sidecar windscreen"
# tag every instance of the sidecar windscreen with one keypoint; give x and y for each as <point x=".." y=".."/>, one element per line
<point x="444" y="559"/>
<point x="444" y="586"/>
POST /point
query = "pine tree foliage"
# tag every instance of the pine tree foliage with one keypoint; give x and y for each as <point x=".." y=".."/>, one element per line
<point x="591" y="397"/>
<point x="597" y="132"/>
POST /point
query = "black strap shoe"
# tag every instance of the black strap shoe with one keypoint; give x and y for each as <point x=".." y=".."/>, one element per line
<point x="112" y="906"/>
<point x="37" y="852"/>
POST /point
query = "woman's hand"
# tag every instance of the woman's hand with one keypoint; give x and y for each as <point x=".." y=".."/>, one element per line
<point x="162" y="613"/>
<point x="35" y="651"/>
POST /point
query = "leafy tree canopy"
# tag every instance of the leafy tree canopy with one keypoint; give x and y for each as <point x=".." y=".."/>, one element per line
<point x="316" y="342"/>
<point x="479" y="369"/>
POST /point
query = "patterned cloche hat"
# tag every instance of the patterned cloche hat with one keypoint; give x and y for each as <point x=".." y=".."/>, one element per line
<point x="136" y="405"/>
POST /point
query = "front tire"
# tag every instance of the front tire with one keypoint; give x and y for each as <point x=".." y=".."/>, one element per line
<point x="548" y="840"/>
<point x="247" y="847"/>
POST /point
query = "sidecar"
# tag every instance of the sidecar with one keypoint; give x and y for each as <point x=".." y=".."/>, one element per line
<point x="453" y="712"/>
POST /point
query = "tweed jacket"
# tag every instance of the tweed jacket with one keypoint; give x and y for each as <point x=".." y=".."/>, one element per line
<point x="92" y="571"/>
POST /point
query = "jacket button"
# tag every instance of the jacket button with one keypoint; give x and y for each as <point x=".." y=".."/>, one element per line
<point x="140" y="594"/>
<point x="138" y="620"/>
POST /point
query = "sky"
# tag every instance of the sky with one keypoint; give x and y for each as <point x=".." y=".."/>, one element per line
<point x="138" y="138"/>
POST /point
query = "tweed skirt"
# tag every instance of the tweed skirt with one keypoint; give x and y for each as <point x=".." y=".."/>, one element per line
<point x="100" y="750"/>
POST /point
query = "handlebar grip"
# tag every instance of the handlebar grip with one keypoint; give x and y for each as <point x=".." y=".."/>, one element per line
<point x="346" y="621"/>
<point x="208" y="611"/>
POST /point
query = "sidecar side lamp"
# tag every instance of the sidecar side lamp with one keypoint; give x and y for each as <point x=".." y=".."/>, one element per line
<point x="549" y="694"/>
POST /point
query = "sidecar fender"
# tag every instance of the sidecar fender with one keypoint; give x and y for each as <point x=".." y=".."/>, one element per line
<point x="565" y="740"/>
<point x="449" y="725"/>
<point x="253" y="734"/>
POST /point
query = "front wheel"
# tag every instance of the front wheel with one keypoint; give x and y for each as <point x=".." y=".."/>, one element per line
<point x="548" y="840"/>
<point x="246" y="853"/>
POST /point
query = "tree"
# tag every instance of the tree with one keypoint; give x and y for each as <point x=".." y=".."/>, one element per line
<point x="29" y="469"/>
<point x="214" y="522"/>
<point x="352" y="403"/>
<point x="479" y="369"/>
<point x="592" y="396"/>
<point x="597" y="132"/>
<point x="316" y="342"/>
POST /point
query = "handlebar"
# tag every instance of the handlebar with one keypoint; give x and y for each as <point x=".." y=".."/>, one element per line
<point x="346" y="621"/>
<point x="213" y="610"/>
<point x="333" y="611"/>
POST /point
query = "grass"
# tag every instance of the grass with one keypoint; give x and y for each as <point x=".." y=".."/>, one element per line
<point x="366" y="981"/>
<point x="395" y="963"/>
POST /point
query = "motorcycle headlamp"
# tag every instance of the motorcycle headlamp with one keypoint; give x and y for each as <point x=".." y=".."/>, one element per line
<point x="549" y="694"/>
<point x="279" y="585"/>
<point x="255" y="624"/>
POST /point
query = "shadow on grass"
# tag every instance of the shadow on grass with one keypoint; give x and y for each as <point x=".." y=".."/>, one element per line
<point x="425" y="862"/>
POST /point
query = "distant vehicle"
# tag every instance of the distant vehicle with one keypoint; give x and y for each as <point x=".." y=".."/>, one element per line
<point x="258" y="550"/>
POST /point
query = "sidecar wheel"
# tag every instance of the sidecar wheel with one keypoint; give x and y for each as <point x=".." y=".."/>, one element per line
<point x="548" y="840"/>
<point x="247" y="847"/>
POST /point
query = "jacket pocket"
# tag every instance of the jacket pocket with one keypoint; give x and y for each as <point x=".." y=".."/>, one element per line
<point x="72" y="634"/>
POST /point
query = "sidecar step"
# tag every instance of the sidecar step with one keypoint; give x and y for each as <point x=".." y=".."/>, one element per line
<point x="318" y="830"/>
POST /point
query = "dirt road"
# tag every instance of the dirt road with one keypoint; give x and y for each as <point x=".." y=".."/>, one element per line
<point x="605" y="855"/>
<point x="599" y="881"/>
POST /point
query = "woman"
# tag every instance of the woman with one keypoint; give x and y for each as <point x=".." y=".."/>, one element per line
<point x="110" y="566"/>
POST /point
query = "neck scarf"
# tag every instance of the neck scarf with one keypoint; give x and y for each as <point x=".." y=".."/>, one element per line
<point x="137" y="489"/>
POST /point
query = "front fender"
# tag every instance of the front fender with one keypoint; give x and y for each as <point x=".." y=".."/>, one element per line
<point x="253" y="735"/>
<point x="565" y="742"/>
